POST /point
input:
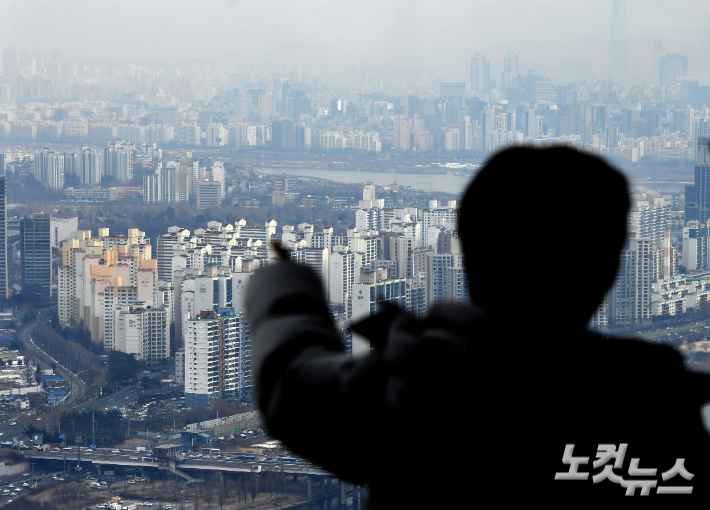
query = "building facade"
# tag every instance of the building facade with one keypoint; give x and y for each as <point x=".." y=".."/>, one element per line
<point x="36" y="261"/>
<point x="217" y="357"/>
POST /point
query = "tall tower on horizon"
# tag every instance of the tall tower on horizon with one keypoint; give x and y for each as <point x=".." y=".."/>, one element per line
<point x="480" y="74"/>
<point x="619" y="42"/>
<point x="3" y="238"/>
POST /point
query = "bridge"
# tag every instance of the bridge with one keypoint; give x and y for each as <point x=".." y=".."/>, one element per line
<point x="178" y="465"/>
<point x="101" y="459"/>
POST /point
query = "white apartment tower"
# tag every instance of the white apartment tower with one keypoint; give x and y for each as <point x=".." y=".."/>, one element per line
<point x="92" y="166"/>
<point x="143" y="331"/>
<point x="438" y="215"/>
<point x="166" y="243"/>
<point x="48" y="167"/>
<point x="630" y="298"/>
<point x="344" y="269"/>
<point x="118" y="159"/>
<point x="217" y="357"/>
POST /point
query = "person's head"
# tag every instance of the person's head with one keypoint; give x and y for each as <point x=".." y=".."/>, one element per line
<point x="542" y="230"/>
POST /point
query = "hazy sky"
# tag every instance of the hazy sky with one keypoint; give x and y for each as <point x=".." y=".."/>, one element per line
<point x="441" y="34"/>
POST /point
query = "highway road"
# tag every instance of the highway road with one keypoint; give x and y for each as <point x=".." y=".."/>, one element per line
<point x="663" y="331"/>
<point x="78" y="387"/>
<point x="14" y="486"/>
<point x="131" y="458"/>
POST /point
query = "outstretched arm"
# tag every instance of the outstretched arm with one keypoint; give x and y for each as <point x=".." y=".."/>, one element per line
<point x="315" y="398"/>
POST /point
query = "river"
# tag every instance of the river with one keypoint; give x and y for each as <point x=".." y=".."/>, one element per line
<point x="445" y="183"/>
<point x="435" y="182"/>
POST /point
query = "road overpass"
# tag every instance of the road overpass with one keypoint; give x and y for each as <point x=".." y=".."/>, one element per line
<point x="104" y="459"/>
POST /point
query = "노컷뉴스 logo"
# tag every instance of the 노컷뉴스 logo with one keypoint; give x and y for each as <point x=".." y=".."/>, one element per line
<point x="607" y="452"/>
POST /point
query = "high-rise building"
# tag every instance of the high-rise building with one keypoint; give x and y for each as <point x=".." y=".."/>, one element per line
<point x="217" y="173"/>
<point x="143" y="331"/>
<point x="3" y="238"/>
<point x="217" y="135"/>
<point x="649" y="219"/>
<point x="48" y="168"/>
<point x="180" y="367"/>
<point x="206" y="292"/>
<point x="118" y="160"/>
<point x="446" y="278"/>
<point x="267" y="106"/>
<point x="344" y="266"/>
<point x="170" y="191"/>
<point x="368" y="192"/>
<point x="416" y="295"/>
<point x="284" y="135"/>
<point x="36" y="261"/>
<point x="631" y="294"/>
<point x="209" y="194"/>
<point x="166" y="242"/>
<point x="402" y="132"/>
<point x="452" y="139"/>
<point x="697" y="196"/>
<point x="9" y="63"/>
<point x="438" y="215"/>
<point x="117" y="299"/>
<point x="509" y="79"/>
<point x="401" y="251"/>
<point x="217" y="357"/>
<point x="92" y="166"/>
<point x="480" y="74"/>
<point x="619" y="41"/>
<point x="671" y="68"/>
<point x="197" y="172"/>
<point x="237" y="134"/>
<point x="152" y="186"/>
<point x="695" y="246"/>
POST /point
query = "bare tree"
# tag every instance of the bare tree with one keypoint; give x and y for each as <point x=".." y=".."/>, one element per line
<point x="232" y="489"/>
<point x="242" y="488"/>
<point x="253" y="486"/>
<point x="221" y="494"/>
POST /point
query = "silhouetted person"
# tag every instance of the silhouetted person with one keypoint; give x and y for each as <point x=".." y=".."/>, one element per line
<point x="479" y="402"/>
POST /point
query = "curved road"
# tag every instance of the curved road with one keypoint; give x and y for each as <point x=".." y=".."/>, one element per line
<point x="78" y="387"/>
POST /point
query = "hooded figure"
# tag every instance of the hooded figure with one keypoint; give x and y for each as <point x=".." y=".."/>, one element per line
<point x="483" y="400"/>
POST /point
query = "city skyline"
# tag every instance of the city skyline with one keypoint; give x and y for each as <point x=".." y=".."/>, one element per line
<point x="416" y="35"/>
